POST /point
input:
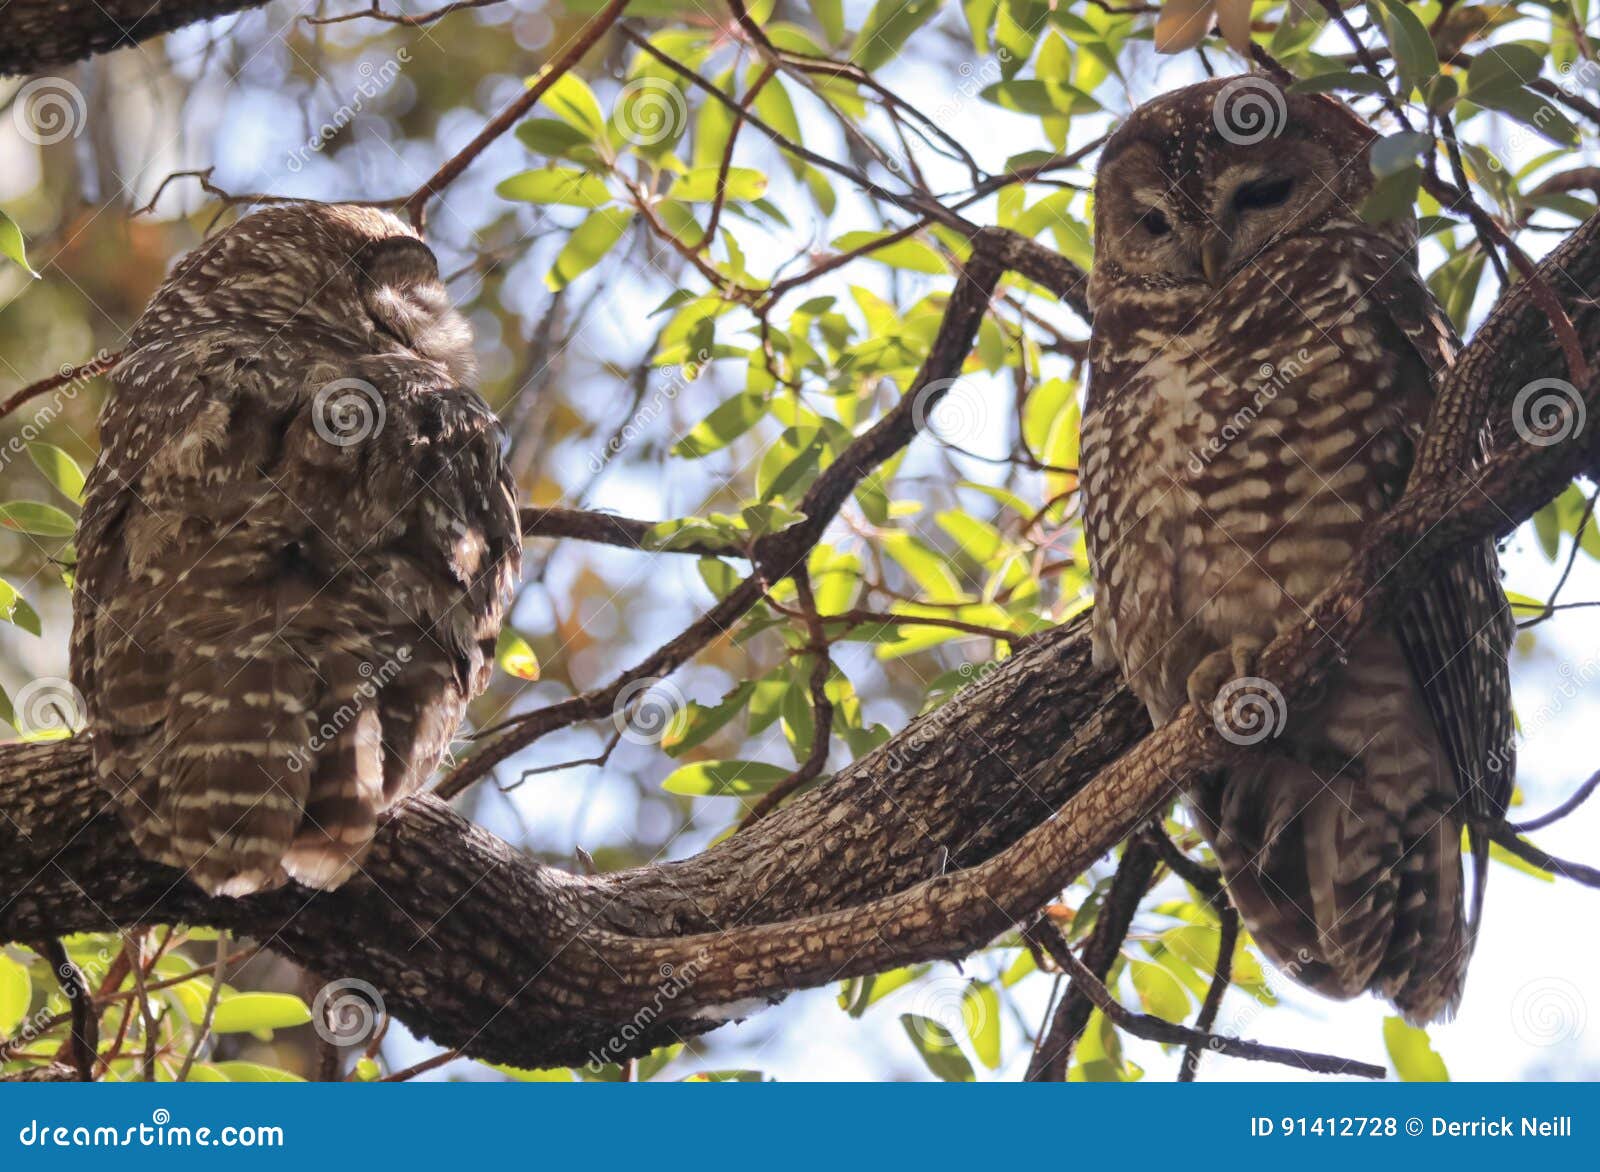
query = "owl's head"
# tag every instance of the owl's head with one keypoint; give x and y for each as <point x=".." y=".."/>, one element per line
<point x="356" y="276"/>
<point x="1199" y="182"/>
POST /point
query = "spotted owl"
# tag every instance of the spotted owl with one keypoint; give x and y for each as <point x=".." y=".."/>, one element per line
<point x="295" y="551"/>
<point x="1260" y="375"/>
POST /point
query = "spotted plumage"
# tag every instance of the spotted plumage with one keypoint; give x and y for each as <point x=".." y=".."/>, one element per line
<point x="295" y="551"/>
<point x="1260" y="374"/>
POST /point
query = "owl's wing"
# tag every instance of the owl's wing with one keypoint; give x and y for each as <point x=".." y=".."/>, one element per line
<point x="1457" y="632"/>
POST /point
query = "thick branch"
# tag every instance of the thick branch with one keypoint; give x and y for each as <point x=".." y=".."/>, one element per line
<point x="36" y="35"/>
<point x="928" y="848"/>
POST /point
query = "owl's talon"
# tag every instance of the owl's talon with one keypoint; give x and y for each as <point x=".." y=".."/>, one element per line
<point x="1224" y="665"/>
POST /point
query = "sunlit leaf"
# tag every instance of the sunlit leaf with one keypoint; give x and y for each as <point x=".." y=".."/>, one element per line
<point x="1412" y="1053"/>
<point x="588" y="245"/>
<point x="37" y="518"/>
<point x="724" y="778"/>
<point x="249" y="1012"/>
<point x="938" y="1048"/>
<point x="515" y="657"/>
<point x="556" y="185"/>
<point x="12" y="245"/>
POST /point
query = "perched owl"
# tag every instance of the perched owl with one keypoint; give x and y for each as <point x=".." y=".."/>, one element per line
<point x="1260" y="375"/>
<point x="295" y="551"/>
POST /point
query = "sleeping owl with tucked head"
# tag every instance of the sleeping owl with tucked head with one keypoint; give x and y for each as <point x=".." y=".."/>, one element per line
<point x="296" y="548"/>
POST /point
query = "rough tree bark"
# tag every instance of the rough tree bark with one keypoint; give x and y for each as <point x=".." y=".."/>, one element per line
<point x="956" y="830"/>
<point x="36" y="35"/>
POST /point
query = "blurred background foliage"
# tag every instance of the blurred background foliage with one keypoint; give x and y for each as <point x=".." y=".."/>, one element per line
<point x="682" y="321"/>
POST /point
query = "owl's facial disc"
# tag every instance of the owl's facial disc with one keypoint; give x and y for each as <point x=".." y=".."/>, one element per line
<point x="409" y="305"/>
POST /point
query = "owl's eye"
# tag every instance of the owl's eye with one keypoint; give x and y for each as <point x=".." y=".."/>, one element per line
<point x="1154" y="223"/>
<point x="1264" y="193"/>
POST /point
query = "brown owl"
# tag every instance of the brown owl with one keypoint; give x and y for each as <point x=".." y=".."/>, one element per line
<point x="1260" y="374"/>
<point x="295" y="551"/>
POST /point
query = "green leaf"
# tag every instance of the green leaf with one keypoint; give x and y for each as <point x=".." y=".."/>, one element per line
<point x="1159" y="991"/>
<point x="253" y="1072"/>
<point x="700" y="722"/>
<point x="1409" y="41"/>
<point x="12" y="245"/>
<point x="938" y="1048"/>
<point x="550" y="136"/>
<point x="911" y="255"/>
<point x="557" y="185"/>
<point x="724" y="778"/>
<point x="571" y="100"/>
<point x="16" y="992"/>
<point x="1039" y="96"/>
<point x="59" y="469"/>
<point x="1508" y="66"/>
<point x="1395" y="152"/>
<point x="700" y="185"/>
<point x="727" y="421"/>
<point x="588" y="245"/>
<point x="980" y="1013"/>
<point x="1534" y="112"/>
<point x="1412" y="1053"/>
<point x="248" y="1012"/>
<point x="1392" y="196"/>
<point x="37" y="518"/>
<point x="888" y="26"/>
<point x="515" y="657"/>
<point x="1327" y="83"/>
<point x="15" y="609"/>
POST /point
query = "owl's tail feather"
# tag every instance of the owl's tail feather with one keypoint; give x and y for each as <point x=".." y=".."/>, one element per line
<point x="230" y="797"/>
<point x="1346" y="885"/>
<point x="346" y="764"/>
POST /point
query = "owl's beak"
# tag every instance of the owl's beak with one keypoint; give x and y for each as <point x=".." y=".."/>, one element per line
<point x="1214" y="256"/>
